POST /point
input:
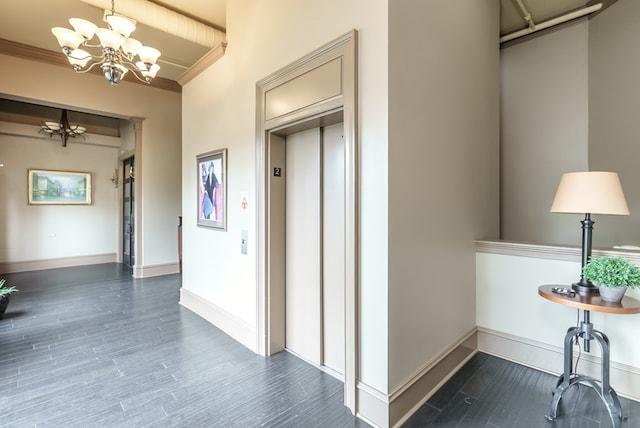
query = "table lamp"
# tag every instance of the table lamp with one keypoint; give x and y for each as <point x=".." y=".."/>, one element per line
<point x="592" y="192"/>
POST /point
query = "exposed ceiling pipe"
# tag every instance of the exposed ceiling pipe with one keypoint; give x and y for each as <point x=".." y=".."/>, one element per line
<point x="166" y="20"/>
<point x="526" y="15"/>
<point x="552" y="22"/>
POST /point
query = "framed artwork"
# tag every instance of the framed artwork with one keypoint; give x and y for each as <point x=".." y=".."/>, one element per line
<point x="212" y="189"/>
<point x="47" y="187"/>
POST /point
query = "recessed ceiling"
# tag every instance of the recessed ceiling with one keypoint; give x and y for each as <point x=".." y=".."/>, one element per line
<point x="30" y="21"/>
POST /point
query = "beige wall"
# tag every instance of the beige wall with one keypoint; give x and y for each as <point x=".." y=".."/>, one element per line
<point x="568" y="104"/>
<point x="161" y="139"/>
<point x="544" y="132"/>
<point x="614" y="103"/>
<point x="443" y="172"/>
<point x="445" y="130"/>
<point x="219" y="111"/>
<point x="44" y="232"/>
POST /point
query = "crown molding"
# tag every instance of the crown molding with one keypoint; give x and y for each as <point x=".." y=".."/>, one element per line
<point x="199" y="66"/>
<point x="20" y="50"/>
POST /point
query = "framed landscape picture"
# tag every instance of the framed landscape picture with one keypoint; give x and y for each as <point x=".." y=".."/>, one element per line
<point x="211" y="168"/>
<point x="46" y="187"/>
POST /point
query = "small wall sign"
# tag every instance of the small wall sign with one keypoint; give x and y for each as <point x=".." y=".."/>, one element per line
<point x="244" y="202"/>
<point x="277" y="171"/>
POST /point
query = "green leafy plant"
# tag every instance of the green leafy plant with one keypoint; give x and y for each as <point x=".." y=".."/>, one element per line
<point x="6" y="290"/>
<point x="612" y="272"/>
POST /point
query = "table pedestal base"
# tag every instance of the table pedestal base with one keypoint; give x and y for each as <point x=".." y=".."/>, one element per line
<point x="601" y="386"/>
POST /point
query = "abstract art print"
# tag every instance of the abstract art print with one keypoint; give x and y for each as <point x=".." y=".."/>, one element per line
<point x="212" y="189"/>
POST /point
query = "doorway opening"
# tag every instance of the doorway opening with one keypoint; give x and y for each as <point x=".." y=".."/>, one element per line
<point x="317" y="91"/>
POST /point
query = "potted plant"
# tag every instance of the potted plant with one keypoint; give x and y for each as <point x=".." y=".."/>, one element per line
<point x="612" y="275"/>
<point x="5" y="291"/>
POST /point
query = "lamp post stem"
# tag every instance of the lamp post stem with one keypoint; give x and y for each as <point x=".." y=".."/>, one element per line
<point x="585" y="286"/>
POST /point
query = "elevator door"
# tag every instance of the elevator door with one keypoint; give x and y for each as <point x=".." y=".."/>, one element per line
<point x="128" y="218"/>
<point x="315" y="246"/>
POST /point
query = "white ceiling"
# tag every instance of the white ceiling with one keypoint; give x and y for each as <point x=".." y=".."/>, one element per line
<point x="29" y="22"/>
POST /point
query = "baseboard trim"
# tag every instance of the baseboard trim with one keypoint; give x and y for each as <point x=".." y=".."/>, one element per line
<point x="372" y="405"/>
<point x="547" y="358"/>
<point x="238" y="329"/>
<point x="29" y="265"/>
<point x="380" y="410"/>
<point x="155" y="270"/>
<point x="406" y="400"/>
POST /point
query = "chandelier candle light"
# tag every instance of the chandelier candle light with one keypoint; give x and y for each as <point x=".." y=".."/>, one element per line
<point x="118" y="49"/>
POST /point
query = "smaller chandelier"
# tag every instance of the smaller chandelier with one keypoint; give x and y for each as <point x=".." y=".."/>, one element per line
<point x="117" y="53"/>
<point x="63" y="129"/>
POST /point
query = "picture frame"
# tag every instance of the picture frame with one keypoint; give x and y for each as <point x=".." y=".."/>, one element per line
<point x="51" y="187"/>
<point x="211" y="170"/>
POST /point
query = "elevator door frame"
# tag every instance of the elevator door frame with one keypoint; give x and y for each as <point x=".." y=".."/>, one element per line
<point x="336" y="63"/>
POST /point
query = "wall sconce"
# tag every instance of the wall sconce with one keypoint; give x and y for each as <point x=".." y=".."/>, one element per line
<point x="131" y="172"/>
<point x="114" y="178"/>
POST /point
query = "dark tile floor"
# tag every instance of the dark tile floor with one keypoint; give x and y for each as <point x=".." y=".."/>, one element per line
<point x="92" y="347"/>
<point x="490" y="392"/>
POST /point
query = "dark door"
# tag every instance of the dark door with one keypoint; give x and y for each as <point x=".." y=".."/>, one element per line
<point x="128" y="218"/>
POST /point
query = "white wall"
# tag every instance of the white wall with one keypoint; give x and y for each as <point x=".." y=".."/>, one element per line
<point x="443" y="172"/>
<point x="531" y="329"/>
<point x="219" y="111"/>
<point x="161" y="139"/>
<point x="544" y="132"/>
<point x="37" y="232"/>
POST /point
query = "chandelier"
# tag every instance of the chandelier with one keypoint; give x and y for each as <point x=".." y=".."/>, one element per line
<point x="116" y="51"/>
<point x="63" y="129"/>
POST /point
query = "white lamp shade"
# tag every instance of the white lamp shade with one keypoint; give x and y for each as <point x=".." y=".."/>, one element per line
<point x="121" y="25"/>
<point x="79" y="57"/>
<point x="67" y="38"/>
<point x="148" y="55"/>
<point x="109" y="38"/>
<point x="148" y="71"/>
<point x="592" y="192"/>
<point x="131" y="46"/>
<point x="85" y="28"/>
<point x="76" y="129"/>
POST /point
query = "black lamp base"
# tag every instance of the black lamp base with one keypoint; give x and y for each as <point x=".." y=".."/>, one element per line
<point x="585" y="288"/>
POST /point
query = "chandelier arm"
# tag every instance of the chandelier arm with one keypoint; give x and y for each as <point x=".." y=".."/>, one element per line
<point x="89" y="57"/>
<point x="85" y="70"/>
<point x="142" y="79"/>
<point x="135" y="71"/>
<point x="86" y="44"/>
